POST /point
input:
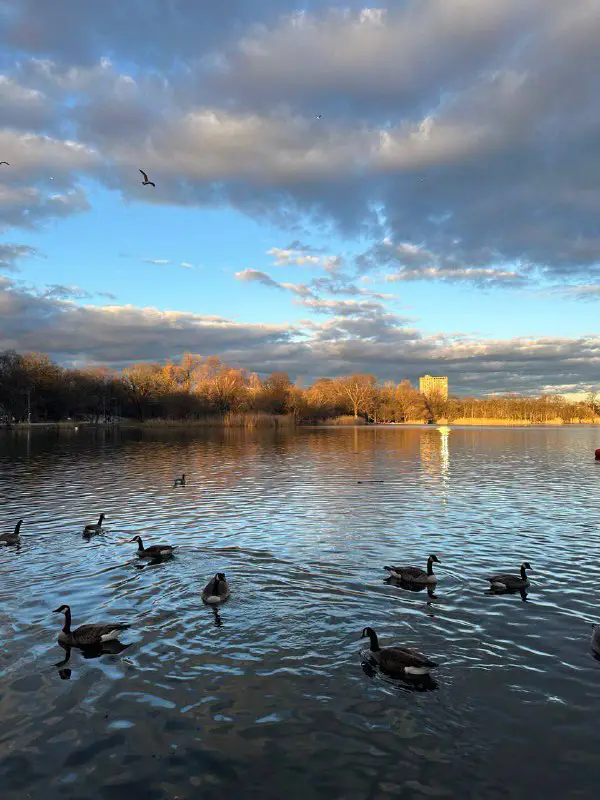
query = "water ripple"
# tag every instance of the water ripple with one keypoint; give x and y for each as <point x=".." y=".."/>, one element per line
<point x="268" y="691"/>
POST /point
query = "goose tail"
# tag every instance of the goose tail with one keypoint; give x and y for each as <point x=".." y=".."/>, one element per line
<point x="420" y="670"/>
<point x="212" y="599"/>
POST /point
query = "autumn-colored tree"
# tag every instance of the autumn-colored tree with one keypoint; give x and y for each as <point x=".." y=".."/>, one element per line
<point x="193" y="386"/>
<point x="357" y="391"/>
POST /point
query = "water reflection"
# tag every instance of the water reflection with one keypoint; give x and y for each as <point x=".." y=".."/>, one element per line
<point x="91" y="651"/>
<point x="444" y="432"/>
<point x="411" y="587"/>
<point x="523" y="593"/>
<point x="271" y="685"/>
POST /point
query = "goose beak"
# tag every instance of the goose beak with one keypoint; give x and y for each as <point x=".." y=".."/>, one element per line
<point x="56" y="610"/>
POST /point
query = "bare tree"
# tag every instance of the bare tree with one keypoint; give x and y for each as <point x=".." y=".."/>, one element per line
<point x="357" y="390"/>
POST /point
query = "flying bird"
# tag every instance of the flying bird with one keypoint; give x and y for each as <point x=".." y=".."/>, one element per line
<point x="5" y="162"/>
<point x="318" y="116"/>
<point x="145" y="182"/>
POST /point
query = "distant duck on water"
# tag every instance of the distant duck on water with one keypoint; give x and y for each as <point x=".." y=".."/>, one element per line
<point x="216" y="590"/>
<point x="508" y="583"/>
<point x="13" y="537"/>
<point x="94" y="528"/>
<point x="415" y="574"/>
<point x="86" y="635"/>
<point x="179" y="481"/>
<point x="398" y="661"/>
<point x="154" y="551"/>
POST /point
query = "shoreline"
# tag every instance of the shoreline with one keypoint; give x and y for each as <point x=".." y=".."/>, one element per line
<point x="285" y="423"/>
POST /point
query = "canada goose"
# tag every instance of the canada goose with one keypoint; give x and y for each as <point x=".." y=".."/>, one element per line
<point x="154" y="551"/>
<point x="97" y="528"/>
<point x="414" y="574"/>
<point x="504" y="583"/>
<point x="86" y="635"/>
<point x="398" y="660"/>
<point x="179" y="481"/>
<point x="12" y="538"/>
<point x="216" y="590"/>
<point x="596" y="639"/>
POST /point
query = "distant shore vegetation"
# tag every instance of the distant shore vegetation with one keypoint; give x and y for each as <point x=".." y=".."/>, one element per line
<point x="206" y="391"/>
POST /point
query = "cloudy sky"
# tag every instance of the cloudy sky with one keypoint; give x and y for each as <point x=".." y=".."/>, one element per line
<point x="399" y="190"/>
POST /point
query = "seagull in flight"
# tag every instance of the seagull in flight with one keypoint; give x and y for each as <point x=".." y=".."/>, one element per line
<point x="318" y="116"/>
<point x="5" y="162"/>
<point x="146" y="182"/>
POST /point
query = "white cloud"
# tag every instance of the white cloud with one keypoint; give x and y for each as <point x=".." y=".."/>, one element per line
<point x="347" y="341"/>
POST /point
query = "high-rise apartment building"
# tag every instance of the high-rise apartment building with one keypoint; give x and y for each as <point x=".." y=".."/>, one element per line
<point x="430" y="384"/>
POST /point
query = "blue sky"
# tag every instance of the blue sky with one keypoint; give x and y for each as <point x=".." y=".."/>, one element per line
<point x="260" y="242"/>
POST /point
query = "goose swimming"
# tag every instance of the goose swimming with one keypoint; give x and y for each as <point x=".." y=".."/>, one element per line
<point x="415" y="574"/>
<point x="507" y="582"/>
<point x="12" y="538"/>
<point x="97" y="527"/>
<point x="398" y="660"/>
<point x="596" y="639"/>
<point x="154" y="551"/>
<point x="179" y="481"/>
<point x="216" y="590"/>
<point x="86" y="635"/>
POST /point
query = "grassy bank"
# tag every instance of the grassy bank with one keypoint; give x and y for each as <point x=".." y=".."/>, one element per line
<point x="248" y="421"/>
<point x="518" y="422"/>
<point x="256" y="420"/>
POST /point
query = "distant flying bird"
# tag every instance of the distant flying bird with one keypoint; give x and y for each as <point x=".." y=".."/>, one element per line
<point x="146" y="182"/>
<point x="5" y="162"/>
<point x="318" y="116"/>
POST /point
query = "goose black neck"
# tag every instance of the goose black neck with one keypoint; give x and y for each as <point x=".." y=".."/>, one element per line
<point x="18" y="526"/>
<point x="429" y="566"/>
<point x="374" y="642"/>
<point x="140" y="545"/>
<point x="67" y="625"/>
<point x="523" y="573"/>
<point x="100" y="519"/>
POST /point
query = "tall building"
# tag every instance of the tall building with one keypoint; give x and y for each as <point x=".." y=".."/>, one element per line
<point x="429" y="385"/>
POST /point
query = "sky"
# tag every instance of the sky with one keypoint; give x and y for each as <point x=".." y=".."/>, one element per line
<point x="399" y="190"/>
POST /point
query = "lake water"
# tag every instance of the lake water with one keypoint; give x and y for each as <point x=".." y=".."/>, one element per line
<point x="268" y="698"/>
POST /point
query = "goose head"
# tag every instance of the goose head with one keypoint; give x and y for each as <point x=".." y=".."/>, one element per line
<point x="374" y="642"/>
<point x="220" y="576"/>
<point x="102" y="518"/>
<point x="137" y="539"/>
<point x="526" y="565"/>
<point x="61" y="609"/>
<point x="434" y="559"/>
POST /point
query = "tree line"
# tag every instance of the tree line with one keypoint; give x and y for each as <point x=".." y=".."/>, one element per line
<point x="33" y="388"/>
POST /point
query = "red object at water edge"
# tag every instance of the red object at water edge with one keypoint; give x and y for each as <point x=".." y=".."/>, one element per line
<point x="598" y="454"/>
